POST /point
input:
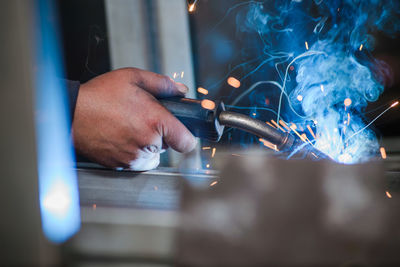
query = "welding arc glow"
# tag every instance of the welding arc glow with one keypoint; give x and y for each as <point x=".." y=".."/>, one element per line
<point x="330" y="72"/>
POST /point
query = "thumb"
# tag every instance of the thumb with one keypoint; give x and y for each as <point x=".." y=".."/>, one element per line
<point x="176" y="135"/>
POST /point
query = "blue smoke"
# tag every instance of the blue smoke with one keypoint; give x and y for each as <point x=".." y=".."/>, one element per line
<point x="328" y="45"/>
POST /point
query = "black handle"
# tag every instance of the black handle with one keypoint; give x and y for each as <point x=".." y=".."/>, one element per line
<point x="202" y="122"/>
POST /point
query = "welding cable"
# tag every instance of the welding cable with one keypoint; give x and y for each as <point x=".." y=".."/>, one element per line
<point x="256" y="127"/>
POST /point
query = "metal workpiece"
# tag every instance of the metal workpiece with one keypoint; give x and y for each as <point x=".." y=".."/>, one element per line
<point x="155" y="189"/>
<point x="121" y="207"/>
<point x="266" y="211"/>
<point x="130" y="217"/>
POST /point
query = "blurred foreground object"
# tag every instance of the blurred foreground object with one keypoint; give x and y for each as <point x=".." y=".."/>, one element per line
<point x="22" y="242"/>
<point x="58" y="184"/>
<point x="272" y="212"/>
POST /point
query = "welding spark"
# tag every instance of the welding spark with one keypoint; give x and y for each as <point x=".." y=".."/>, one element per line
<point x="213" y="152"/>
<point x="361" y="47"/>
<point x="268" y="144"/>
<point x="303" y="137"/>
<point x="369" y="124"/>
<point x="347" y="102"/>
<point x="293" y="128"/>
<point x="348" y="119"/>
<point x="300" y="98"/>
<point x="208" y="166"/>
<point x="192" y="6"/>
<point x="306" y="45"/>
<point x="206" y="147"/>
<point x="202" y="90"/>
<point x="208" y="104"/>
<point x="388" y="194"/>
<point x="174" y="75"/>
<point x="182" y="73"/>
<point x="284" y="125"/>
<point x="214" y="183"/>
<point x="311" y="131"/>
<point x="383" y="152"/>
<point x="277" y="126"/>
<point x="232" y="81"/>
<point x="322" y="87"/>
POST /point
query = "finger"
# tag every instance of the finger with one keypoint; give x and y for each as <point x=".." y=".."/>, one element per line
<point x="158" y="85"/>
<point x="176" y="135"/>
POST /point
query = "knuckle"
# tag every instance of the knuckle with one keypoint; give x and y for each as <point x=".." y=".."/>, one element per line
<point x="132" y="75"/>
<point x="158" y="127"/>
<point x="166" y="82"/>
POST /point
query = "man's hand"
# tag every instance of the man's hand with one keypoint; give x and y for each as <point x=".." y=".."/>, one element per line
<point x="119" y="123"/>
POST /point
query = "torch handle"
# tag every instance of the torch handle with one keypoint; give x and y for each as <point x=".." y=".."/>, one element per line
<point x="201" y="122"/>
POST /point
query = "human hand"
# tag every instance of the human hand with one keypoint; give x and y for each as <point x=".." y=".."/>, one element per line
<point x="118" y="122"/>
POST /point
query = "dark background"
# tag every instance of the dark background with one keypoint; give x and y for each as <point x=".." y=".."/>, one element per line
<point x="84" y="38"/>
<point x="84" y="34"/>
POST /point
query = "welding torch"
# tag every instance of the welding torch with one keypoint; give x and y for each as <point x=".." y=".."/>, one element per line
<point x="207" y="120"/>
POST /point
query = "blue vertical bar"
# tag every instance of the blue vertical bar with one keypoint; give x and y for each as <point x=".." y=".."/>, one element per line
<point x="58" y="186"/>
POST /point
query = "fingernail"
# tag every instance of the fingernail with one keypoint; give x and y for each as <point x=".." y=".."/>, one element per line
<point x="182" y="88"/>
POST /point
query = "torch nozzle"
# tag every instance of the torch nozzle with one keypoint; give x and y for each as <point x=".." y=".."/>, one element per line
<point x="284" y="142"/>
